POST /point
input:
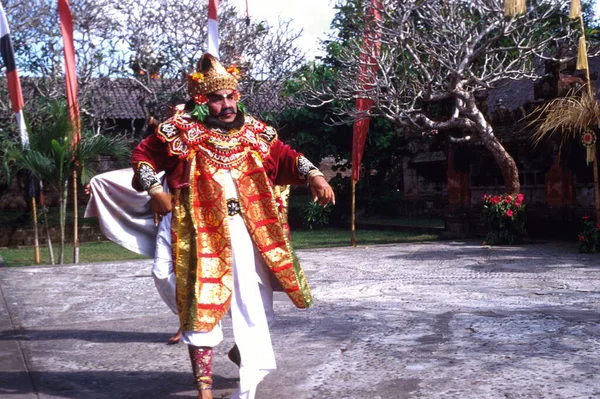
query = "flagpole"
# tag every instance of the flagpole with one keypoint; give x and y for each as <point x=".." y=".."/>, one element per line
<point x="75" y="221"/>
<point x="16" y="99"/>
<point x="353" y="215"/>
<point x="36" y="240"/>
<point x="590" y="93"/>
<point x="66" y="27"/>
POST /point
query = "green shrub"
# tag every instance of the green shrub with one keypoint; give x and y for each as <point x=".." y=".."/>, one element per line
<point x="504" y="219"/>
<point x="315" y="215"/>
<point x="589" y="238"/>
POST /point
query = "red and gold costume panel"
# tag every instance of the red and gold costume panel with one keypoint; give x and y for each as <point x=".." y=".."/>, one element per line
<point x="192" y="155"/>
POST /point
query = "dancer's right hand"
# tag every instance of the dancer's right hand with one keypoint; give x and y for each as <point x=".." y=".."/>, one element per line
<point x="161" y="205"/>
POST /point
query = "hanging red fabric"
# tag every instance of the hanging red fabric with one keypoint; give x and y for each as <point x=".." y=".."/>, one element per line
<point x="366" y="80"/>
<point x="66" y="28"/>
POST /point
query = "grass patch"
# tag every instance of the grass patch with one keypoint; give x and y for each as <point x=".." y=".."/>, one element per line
<point x="332" y="237"/>
<point x="102" y="251"/>
<point x="107" y="251"/>
<point x="403" y="221"/>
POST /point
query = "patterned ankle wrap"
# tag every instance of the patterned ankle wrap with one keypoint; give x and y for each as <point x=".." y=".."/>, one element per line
<point x="201" y="357"/>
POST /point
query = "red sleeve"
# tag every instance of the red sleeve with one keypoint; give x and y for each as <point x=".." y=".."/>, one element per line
<point x="154" y="152"/>
<point x="281" y="164"/>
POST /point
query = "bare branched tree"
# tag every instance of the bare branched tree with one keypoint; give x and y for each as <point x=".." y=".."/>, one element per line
<point x="442" y="52"/>
<point x="147" y="46"/>
<point x="35" y="32"/>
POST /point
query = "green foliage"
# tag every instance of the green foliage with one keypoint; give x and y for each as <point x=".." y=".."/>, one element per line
<point x="589" y="238"/>
<point x="504" y="219"/>
<point x="200" y="112"/>
<point x="315" y="216"/>
<point x="8" y="149"/>
<point x="53" y="157"/>
<point x="385" y="202"/>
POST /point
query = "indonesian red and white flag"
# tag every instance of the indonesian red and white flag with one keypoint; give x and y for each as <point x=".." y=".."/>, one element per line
<point x="14" y="85"/>
<point x="213" y="28"/>
<point x="66" y="28"/>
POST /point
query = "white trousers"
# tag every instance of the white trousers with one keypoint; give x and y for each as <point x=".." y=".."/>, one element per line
<point x="251" y="305"/>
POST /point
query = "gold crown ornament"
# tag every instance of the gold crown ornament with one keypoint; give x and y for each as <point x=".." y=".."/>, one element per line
<point x="211" y="76"/>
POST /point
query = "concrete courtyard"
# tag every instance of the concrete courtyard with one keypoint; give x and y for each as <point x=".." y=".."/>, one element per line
<point x="444" y="319"/>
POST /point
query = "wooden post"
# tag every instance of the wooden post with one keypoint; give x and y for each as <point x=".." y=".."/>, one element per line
<point x="353" y="216"/>
<point x="595" y="162"/>
<point x="36" y="240"/>
<point x="75" y="221"/>
<point x="596" y="183"/>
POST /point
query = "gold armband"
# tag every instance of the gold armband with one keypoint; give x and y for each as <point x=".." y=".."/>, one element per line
<point x="313" y="173"/>
<point x="155" y="189"/>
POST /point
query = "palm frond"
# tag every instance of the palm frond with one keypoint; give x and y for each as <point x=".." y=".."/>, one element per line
<point x="568" y="116"/>
<point x="56" y="126"/>
<point x="91" y="146"/>
<point x="39" y="164"/>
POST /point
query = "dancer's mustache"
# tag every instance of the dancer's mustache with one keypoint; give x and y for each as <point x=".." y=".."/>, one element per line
<point x="226" y="111"/>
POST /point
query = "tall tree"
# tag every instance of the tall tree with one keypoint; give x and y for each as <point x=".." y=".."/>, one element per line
<point x="439" y="52"/>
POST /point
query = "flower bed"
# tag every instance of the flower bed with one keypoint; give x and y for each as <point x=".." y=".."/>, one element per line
<point x="503" y="217"/>
<point x="589" y="238"/>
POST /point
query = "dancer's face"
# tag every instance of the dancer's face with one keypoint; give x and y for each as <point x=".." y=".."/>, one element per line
<point x="221" y="105"/>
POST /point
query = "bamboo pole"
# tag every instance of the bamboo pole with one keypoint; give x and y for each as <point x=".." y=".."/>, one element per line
<point x="75" y="221"/>
<point x="595" y="161"/>
<point x="353" y="215"/>
<point x="36" y="240"/>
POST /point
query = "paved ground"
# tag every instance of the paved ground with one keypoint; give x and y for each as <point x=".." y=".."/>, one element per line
<point x="432" y="320"/>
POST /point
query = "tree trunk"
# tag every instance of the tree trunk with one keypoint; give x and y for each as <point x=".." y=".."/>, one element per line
<point x="510" y="172"/>
<point x="62" y="198"/>
<point x="45" y="211"/>
<point x="508" y="166"/>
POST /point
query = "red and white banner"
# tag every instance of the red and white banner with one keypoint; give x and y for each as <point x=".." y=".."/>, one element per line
<point x="366" y="79"/>
<point x="14" y="85"/>
<point x="66" y="28"/>
<point x="213" y="28"/>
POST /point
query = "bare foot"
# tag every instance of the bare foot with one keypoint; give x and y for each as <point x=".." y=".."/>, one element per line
<point x="176" y="338"/>
<point x="205" y="394"/>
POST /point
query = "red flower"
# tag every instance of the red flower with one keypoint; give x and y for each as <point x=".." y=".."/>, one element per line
<point x="520" y="197"/>
<point x="585" y="217"/>
<point x="508" y="199"/>
<point x="495" y="199"/>
<point x="581" y="238"/>
<point x="518" y="203"/>
<point x="200" y="99"/>
<point x="509" y="213"/>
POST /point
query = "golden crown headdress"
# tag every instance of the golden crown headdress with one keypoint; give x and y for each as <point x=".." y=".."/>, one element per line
<point x="211" y="76"/>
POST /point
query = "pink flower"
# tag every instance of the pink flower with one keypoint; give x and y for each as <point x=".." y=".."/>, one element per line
<point x="484" y="197"/>
<point x="520" y="197"/>
<point x="509" y="213"/>
<point x="495" y="199"/>
<point x="518" y="203"/>
<point x="508" y="199"/>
